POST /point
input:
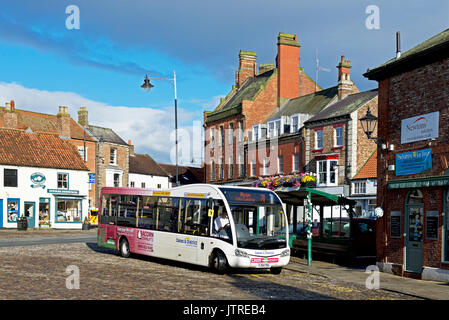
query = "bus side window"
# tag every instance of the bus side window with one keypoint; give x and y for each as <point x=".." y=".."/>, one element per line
<point x="168" y="209"/>
<point x="148" y="217"/>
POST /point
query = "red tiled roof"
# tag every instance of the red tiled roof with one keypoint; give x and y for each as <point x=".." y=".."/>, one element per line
<point x="38" y="149"/>
<point x="45" y="123"/>
<point x="369" y="170"/>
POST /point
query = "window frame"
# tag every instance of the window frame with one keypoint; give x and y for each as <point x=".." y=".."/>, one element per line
<point x="16" y="171"/>
<point x="113" y="151"/>
<point x="337" y="137"/>
<point x="57" y="180"/>
<point x="327" y="172"/>
<point x="318" y="139"/>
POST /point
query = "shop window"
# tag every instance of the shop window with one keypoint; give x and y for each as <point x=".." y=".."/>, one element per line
<point x="63" y="180"/>
<point x="10" y="177"/>
<point x="13" y="208"/>
<point x="68" y="210"/>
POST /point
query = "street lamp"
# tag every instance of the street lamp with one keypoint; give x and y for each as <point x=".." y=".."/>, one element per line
<point x="369" y="123"/>
<point x="147" y="87"/>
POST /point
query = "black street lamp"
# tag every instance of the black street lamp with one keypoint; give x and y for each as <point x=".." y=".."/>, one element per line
<point x="369" y="123"/>
<point x="147" y="87"/>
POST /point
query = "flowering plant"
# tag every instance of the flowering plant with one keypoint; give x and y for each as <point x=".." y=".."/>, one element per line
<point x="293" y="180"/>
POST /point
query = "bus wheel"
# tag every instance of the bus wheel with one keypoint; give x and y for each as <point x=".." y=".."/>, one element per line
<point x="276" y="270"/>
<point x="219" y="262"/>
<point x="124" y="248"/>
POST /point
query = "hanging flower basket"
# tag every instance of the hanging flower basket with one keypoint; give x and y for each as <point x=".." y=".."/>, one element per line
<point x="288" y="181"/>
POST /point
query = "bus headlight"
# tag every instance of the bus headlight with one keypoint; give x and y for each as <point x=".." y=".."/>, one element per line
<point x="285" y="253"/>
<point x="240" y="253"/>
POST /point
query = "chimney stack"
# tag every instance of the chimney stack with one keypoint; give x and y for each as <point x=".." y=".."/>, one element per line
<point x="287" y="62"/>
<point x="64" y="121"/>
<point x="131" y="148"/>
<point x="83" y="118"/>
<point x="247" y="67"/>
<point x="10" y="116"/>
<point x="345" y="85"/>
<point x="398" y="44"/>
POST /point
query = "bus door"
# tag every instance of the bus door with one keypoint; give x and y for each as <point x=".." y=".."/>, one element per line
<point x="191" y="243"/>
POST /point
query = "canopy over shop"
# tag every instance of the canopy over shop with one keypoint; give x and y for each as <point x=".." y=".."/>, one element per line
<point x="315" y="200"/>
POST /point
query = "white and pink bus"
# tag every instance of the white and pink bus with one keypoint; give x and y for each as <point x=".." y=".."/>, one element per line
<point x="178" y="224"/>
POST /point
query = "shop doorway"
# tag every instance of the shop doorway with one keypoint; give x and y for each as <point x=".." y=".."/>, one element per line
<point x="44" y="211"/>
<point x="30" y="214"/>
<point x="414" y="218"/>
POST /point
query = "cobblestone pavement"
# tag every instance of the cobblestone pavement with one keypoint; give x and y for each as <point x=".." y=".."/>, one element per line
<point x="39" y="272"/>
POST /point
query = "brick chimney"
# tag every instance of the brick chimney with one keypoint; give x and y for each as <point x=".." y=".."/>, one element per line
<point x="83" y="119"/>
<point x="10" y="116"/>
<point x="345" y="85"/>
<point x="247" y="67"/>
<point x="287" y="62"/>
<point x="131" y="147"/>
<point x="64" y="121"/>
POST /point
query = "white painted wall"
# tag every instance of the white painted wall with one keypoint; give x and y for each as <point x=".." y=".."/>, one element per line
<point x="78" y="180"/>
<point x="151" y="181"/>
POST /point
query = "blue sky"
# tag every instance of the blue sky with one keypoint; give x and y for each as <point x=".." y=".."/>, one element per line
<point x="102" y="64"/>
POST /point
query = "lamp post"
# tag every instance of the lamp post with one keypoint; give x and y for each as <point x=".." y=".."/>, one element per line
<point x="369" y="123"/>
<point x="147" y="87"/>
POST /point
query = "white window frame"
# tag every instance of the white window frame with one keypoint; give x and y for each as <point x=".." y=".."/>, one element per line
<point x="255" y="132"/>
<point x="212" y="138"/>
<point x="326" y="165"/>
<point x="277" y="128"/>
<point x="252" y="168"/>
<point x="280" y="164"/>
<point x="336" y="129"/>
<point x="360" y="187"/>
<point x="266" y="166"/>
<point x="295" y="162"/>
<point x="317" y="146"/>
<point x="114" y="159"/>
<point x="231" y="133"/>
<point x="294" y="118"/>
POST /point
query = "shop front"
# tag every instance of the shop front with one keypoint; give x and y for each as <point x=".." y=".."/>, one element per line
<point x="33" y="197"/>
<point x="417" y="224"/>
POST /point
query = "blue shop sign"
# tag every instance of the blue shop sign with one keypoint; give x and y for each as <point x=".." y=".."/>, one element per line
<point x="413" y="162"/>
<point x="91" y="177"/>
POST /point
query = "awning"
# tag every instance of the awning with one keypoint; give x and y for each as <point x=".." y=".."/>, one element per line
<point x="296" y="196"/>
<point x="425" y="182"/>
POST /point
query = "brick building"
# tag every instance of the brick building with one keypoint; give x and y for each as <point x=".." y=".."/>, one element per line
<point x="61" y="124"/>
<point x="413" y="174"/>
<point x="254" y="98"/>
<point x="112" y="152"/>
<point x="336" y="147"/>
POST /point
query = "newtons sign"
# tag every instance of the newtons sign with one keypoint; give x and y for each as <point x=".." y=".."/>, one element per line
<point x="419" y="128"/>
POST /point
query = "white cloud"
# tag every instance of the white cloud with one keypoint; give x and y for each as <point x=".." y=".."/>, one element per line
<point x="150" y="130"/>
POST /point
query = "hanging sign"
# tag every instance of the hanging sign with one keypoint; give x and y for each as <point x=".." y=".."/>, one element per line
<point x="422" y="127"/>
<point x="413" y="162"/>
<point x="38" y="180"/>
